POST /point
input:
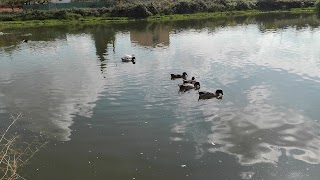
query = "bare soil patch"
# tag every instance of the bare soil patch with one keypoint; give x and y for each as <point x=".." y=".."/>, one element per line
<point x="10" y="10"/>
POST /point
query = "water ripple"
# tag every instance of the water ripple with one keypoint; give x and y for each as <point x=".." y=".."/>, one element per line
<point x="259" y="131"/>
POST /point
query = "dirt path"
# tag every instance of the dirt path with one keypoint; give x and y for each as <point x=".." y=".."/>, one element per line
<point x="10" y="10"/>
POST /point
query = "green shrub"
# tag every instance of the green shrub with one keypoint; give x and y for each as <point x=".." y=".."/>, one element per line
<point x="103" y="11"/>
<point x="182" y="7"/>
<point x="214" y="7"/>
<point x="61" y="14"/>
<point x="7" y="18"/>
<point x="139" y="11"/>
<point x="152" y="9"/>
<point x="308" y="3"/>
<point x="73" y="16"/>
<point x="130" y="10"/>
<point x="166" y="11"/>
<point x="189" y="7"/>
<point x="243" y="5"/>
<point x="164" y="7"/>
<point x="271" y="5"/>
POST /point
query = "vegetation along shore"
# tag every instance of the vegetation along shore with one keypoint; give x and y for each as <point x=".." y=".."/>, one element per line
<point x="158" y="10"/>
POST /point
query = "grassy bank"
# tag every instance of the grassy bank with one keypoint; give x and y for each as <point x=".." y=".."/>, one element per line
<point x="173" y="17"/>
<point x="158" y="11"/>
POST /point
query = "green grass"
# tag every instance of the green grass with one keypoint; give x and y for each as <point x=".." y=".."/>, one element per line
<point x="224" y="14"/>
<point x="51" y="22"/>
<point x="174" y="17"/>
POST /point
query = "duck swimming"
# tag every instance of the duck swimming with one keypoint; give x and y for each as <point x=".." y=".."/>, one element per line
<point x="129" y="58"/>
<point x="209" y="95"/>
<point x="187" y="86"/>
<point x="192" y="81"/>
<point x="183" y="76"/>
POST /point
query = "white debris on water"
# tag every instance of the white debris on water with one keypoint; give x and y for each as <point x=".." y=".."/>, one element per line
<point x="246" y="175"/>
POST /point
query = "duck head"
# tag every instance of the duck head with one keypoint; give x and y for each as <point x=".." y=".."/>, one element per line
<point x="197" y="85"/>
<point x="184" y="75"/>
<point x="219" y="93"/>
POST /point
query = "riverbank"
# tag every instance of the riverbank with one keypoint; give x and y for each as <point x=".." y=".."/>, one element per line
<point x="174" y="17"/>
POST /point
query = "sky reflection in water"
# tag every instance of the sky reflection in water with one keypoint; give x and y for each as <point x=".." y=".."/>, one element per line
<point x="270" y="78"/>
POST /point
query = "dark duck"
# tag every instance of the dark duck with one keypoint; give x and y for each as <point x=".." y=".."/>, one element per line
<point x="176" y="76"/>
<point x="209" y="95"/>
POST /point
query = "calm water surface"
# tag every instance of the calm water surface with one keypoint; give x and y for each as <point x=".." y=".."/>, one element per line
<point x="105" y="119"/>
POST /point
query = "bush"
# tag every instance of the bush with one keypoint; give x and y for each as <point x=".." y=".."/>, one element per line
<point x="182" y="7"/>
<point x="189" y="7"/>
<point x="271" y="5"/>
<point x="143" y="10"/>
<point x="103" y="10"/>
<point x="61" y="14"/>
<point x="308" y="3"/>
<point x="152" y="9"/>
<point x="73" y="16"/>
<point x="243" y="5"/>
<point x="214" y="7"/>
<point x="131" y="10"/>
<point x="7" y="18"/>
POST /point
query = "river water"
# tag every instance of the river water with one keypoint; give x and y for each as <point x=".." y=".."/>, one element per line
<point x="105" y="119"/>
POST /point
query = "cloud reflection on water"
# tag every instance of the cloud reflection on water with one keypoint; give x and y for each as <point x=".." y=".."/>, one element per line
<point x="54" y="95"/>
<point x="259" y="132"/>
<point x="258" y="129"/>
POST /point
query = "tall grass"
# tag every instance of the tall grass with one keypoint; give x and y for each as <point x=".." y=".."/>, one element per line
<point x="14" y="152"/>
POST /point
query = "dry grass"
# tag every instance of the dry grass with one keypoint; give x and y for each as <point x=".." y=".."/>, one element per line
<point x="10" y="10"/>
<point x="14" y="153"/>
